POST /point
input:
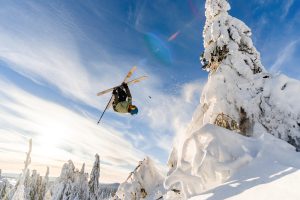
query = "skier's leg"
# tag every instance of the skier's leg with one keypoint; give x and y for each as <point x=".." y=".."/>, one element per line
<point x="122" y="96"/>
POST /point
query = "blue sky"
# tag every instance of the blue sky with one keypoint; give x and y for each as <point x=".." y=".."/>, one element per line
<point x="56" y="55"/>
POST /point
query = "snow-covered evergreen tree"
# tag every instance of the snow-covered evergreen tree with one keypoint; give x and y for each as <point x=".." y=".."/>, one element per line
<point x="5" y="187"/>
<point x="107" y="191"/>
<point x="236" y="80"/>
<point x="19" y="193"/>
<point x="240" y="93"/>
<point x="94" y="179"/>
<point x="145" y="182"/>
<point x="71" y="184"/>
<point x="29" y="187"/>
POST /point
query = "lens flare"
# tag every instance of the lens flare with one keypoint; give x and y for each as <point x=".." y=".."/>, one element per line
<point x="173" y="36"/>
<point x="158" y="48"/>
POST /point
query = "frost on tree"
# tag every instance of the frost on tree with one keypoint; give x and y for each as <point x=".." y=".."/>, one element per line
<point x="145" y="182"/>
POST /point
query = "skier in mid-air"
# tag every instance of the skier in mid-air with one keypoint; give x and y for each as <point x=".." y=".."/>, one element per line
<point x="123" y="100"/>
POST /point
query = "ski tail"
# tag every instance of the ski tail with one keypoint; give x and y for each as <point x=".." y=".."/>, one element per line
<point x="129" y="74"/>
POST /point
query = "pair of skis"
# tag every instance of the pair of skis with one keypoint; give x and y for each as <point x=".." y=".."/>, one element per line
<point x="129" y="74"/>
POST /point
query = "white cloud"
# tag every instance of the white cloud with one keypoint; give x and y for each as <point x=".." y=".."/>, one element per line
<point x="58" y="135"/>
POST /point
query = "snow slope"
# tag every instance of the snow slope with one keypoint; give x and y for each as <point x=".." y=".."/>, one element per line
<point x="273" y="173"/>
<point x="257" y="165"/>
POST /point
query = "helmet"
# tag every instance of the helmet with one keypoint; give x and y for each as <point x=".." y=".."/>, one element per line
<point x="133" y="110"/>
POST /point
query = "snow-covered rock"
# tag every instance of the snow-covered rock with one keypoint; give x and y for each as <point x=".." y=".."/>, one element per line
<point x="145" y="182"/>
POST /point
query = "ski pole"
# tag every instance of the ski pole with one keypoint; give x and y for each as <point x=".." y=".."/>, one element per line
<point x="105" y="110"/>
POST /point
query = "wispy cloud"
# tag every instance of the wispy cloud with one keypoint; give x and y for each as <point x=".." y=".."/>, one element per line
<point x="283" y="56"/>
<point x="286" y="8"/>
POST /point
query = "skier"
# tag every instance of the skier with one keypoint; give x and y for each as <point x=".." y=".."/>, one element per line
<point x="123" y="100"/>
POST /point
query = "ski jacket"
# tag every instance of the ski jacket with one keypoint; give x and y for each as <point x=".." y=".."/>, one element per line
<point x="122" y="107"/>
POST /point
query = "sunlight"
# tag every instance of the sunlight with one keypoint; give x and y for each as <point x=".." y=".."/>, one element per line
<point x="52" y="136"/>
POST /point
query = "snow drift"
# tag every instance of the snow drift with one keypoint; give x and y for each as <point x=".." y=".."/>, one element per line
<point x="212" y="155"/>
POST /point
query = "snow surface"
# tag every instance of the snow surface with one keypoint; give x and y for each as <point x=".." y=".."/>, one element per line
<point x="258" y="167"/>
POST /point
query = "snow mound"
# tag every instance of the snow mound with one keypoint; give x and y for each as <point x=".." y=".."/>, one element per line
<point x="272" y="174"/>
<point x="145" y="182"/>
<point x="214" y="155"/>
<point x="208" y="158"/>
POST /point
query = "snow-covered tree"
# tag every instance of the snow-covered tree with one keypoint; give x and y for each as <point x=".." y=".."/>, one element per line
<point x="28" y="186"/>
<point x="19" y="192"/>
<point x="236" y="80"/>
<point x="107" y="191"/>
<point x="5" y="187"/>
<point x="145" y="182"/>
<point x="71" y="184"/>
<point x="94" y="179"/>
<point x="240" y="93"/>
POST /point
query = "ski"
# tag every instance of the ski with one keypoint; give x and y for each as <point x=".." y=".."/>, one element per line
<point x="129" y="74"/>
<point x="129" y="83"/>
